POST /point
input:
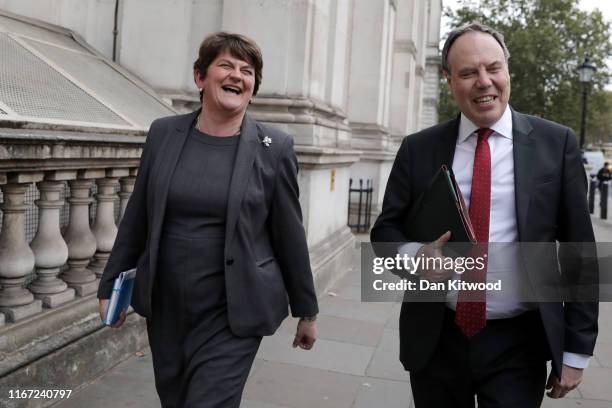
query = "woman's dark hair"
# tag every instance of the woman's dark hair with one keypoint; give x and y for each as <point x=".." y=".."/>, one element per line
<point x="239" y="46"/>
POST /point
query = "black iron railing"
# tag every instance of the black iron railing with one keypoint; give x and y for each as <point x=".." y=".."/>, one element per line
<point x="360" y="205"/>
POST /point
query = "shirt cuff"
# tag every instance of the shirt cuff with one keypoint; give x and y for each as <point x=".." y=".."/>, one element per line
<point x="410" y="249"/>
<point x="576" y="360"/>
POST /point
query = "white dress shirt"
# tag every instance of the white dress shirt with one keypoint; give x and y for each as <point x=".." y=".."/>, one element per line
<point x="502" y="259"/>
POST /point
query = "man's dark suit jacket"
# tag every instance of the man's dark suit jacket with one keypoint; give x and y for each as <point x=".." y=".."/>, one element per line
<point x="266" y="255"/>
<point x="550" y="194"/>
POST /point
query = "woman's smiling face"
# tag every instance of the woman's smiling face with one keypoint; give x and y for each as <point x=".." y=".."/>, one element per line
<point x="228" y="84"/>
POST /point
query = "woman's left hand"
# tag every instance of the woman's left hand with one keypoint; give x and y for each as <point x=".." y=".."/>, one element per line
<point x="305" y="335"/>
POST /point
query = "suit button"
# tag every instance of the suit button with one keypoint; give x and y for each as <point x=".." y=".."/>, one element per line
<point x="229" y="262"/>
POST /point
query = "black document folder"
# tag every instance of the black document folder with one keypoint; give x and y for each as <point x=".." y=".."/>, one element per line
<point x="438" y="209"/>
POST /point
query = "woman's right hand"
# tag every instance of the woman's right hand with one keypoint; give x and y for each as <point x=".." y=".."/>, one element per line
<point x="103" y="307"/>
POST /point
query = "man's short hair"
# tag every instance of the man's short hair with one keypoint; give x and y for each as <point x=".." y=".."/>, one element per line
<point x="471" y="27"/>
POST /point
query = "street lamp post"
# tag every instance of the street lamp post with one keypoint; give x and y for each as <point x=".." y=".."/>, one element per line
<point x="585" y="71"/>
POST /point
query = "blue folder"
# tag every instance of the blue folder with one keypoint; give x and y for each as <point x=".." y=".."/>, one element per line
<point x="121" y="297"/>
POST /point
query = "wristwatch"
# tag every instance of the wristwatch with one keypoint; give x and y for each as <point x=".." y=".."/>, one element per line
<point x="308" y="318"/>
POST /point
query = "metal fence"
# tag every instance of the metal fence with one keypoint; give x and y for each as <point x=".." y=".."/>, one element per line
<point x="360" y="205"/>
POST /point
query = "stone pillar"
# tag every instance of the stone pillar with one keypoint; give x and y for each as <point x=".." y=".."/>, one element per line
<point x="403" y="119"/>
<point x="16" y="257"/>
<point x="429" y="114"/>
<point x="2" y="181"/>
<point x="432" y="66"/>
<point x="104" y="228"/>
<point x="79" y="238"/>
<point x="127" y="187"/>
<point x="373" y="102"/>
<point x="50" y="249"/>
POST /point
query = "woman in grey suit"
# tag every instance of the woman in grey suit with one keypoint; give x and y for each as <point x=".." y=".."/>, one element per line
<point x="214" y="227"/>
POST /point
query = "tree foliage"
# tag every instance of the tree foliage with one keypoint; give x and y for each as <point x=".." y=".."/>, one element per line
<point x="548" y="40"/>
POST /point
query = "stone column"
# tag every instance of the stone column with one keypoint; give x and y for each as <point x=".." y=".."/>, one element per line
<point x="378" y="60"/>
<point x="79" y="238"/>
<point x="16" y="257"/>
<point x="127" y="187"/>
<point x="2" y="181"/>
<point x="50" y="250"/>
<point x="432" y="66"/>
<point x="104" y="228"/>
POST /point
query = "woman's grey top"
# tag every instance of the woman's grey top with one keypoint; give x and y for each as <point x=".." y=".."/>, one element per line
<point x="198" y="193"/>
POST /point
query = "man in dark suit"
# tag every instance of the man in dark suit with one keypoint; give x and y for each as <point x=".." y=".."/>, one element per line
<point x="523" y="181"/>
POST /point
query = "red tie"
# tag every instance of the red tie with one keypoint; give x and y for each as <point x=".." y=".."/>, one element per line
<point x="471" y="316"/>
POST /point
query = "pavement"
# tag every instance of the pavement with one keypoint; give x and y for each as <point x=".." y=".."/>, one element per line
<point x="354" y="362"/>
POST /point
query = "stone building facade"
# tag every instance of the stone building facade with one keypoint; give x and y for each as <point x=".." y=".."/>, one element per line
<point x="346" y="78"/>
<point x="341" y="74"/>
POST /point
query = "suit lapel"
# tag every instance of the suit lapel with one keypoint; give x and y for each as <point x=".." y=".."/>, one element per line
<point x="523" y="148"/>
<point x="445" y="150"/>
<point x="249" y="141"/>
<point x="168" y="156"/>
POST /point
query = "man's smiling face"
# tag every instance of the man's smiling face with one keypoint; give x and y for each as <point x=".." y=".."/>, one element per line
<point x="479" y="78"/>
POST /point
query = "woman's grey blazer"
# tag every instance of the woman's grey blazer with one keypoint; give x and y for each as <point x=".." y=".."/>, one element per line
<point x="267" y="265"/>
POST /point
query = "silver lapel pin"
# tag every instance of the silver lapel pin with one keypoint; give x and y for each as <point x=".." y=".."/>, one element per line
<point x="266" y="141"/>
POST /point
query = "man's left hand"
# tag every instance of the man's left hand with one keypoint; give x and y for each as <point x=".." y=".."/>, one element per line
<point x="305" y="334"/>
<point x="570" y="379"/>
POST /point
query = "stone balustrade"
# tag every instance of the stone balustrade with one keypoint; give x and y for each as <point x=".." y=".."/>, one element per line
<point x="70" y="172"/>
<point x="30" y="277"/>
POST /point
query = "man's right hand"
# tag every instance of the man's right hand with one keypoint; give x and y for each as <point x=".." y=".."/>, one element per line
<point x="103" y="307"/>
<point x="434" y="250"/>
